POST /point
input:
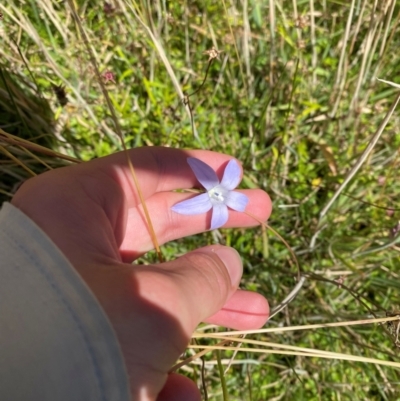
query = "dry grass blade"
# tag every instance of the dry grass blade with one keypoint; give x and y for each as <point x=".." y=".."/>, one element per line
<point x="196" y="356"/>
<point x="310" y="354"/>
<point x="246" y="45"/>
<point x="117" y="128"/>
<point x="341" y="72"/>
<point x="361" y="159"/>
<point x="164" y="58"/>
<point x="26" y="25"/>
<point x="38" y="159"/>
<point x="272" y="27"/>
<point x="314" y="58"/>
<point x="283" y="349"/>
<point x="389" y="83"/>
<point x="14" y="140"/>
<point x="235" y="45"/>
<point x="290" y="297"/>
<point x="198" y="334"/>
<point x="16" y="160"/>
<point x="367" y="54"/>
<point x="277" y="308"/>
<point x="296" y="18"/>
<point x="389" y="31"/>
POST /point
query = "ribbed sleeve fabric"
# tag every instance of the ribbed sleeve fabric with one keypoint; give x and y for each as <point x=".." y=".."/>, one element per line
<point x="56" y="343"/>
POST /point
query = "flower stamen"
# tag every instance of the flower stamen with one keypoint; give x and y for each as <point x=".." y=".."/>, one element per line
<point x="216" y="194"/>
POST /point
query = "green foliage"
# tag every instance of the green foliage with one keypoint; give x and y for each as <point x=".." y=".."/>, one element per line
<point x="297" y="103"/>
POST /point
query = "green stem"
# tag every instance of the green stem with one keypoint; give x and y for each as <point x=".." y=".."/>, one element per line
<point x="222" y="376"/>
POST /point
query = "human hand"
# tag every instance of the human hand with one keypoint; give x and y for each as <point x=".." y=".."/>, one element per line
<point x="93" y="214"/>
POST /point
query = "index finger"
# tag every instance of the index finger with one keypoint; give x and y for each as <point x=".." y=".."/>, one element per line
<point x="158" y="169"/>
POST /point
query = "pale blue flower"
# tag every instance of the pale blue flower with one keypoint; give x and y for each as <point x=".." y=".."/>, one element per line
<point x="219" y="195"/>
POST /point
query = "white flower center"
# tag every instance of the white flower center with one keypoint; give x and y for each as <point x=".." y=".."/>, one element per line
<point x="217" y="194"/>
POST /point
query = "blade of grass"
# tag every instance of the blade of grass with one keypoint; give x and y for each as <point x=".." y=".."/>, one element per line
<point x="14" y="140"/>
<point x="16" y="160"/>
<point x="361" y="159"/>
<point x="222" y="377"/>
<point x="165" y="60"/>
<point x="117" y="128"/>
<point x="198" y="334"/>
<point x="341" y="71"/>
<point x="311" y="354"/>
<point x="235" y="46"/>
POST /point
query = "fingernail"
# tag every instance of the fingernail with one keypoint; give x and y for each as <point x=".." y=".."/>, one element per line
<point x="232" y="261"/>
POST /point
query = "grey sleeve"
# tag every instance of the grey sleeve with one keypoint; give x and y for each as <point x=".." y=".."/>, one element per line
<point x="56" y="342"/>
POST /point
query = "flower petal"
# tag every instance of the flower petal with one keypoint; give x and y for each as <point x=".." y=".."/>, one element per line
<point x="197" y="205"/>
<point x="232" y="175"/>
<point x="204" y="173"/>
<point x="219" y="216"/>
<point x="237" y="201"/>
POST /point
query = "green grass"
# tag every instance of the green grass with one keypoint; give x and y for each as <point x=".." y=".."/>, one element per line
<point x="297" y="101"/>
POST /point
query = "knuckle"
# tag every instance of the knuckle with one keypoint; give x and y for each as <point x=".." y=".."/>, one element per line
<point x="210" y="271"/>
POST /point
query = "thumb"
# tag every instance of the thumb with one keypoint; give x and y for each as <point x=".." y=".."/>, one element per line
<point x="202" y="281"/>
<point x="154" y="309"/>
